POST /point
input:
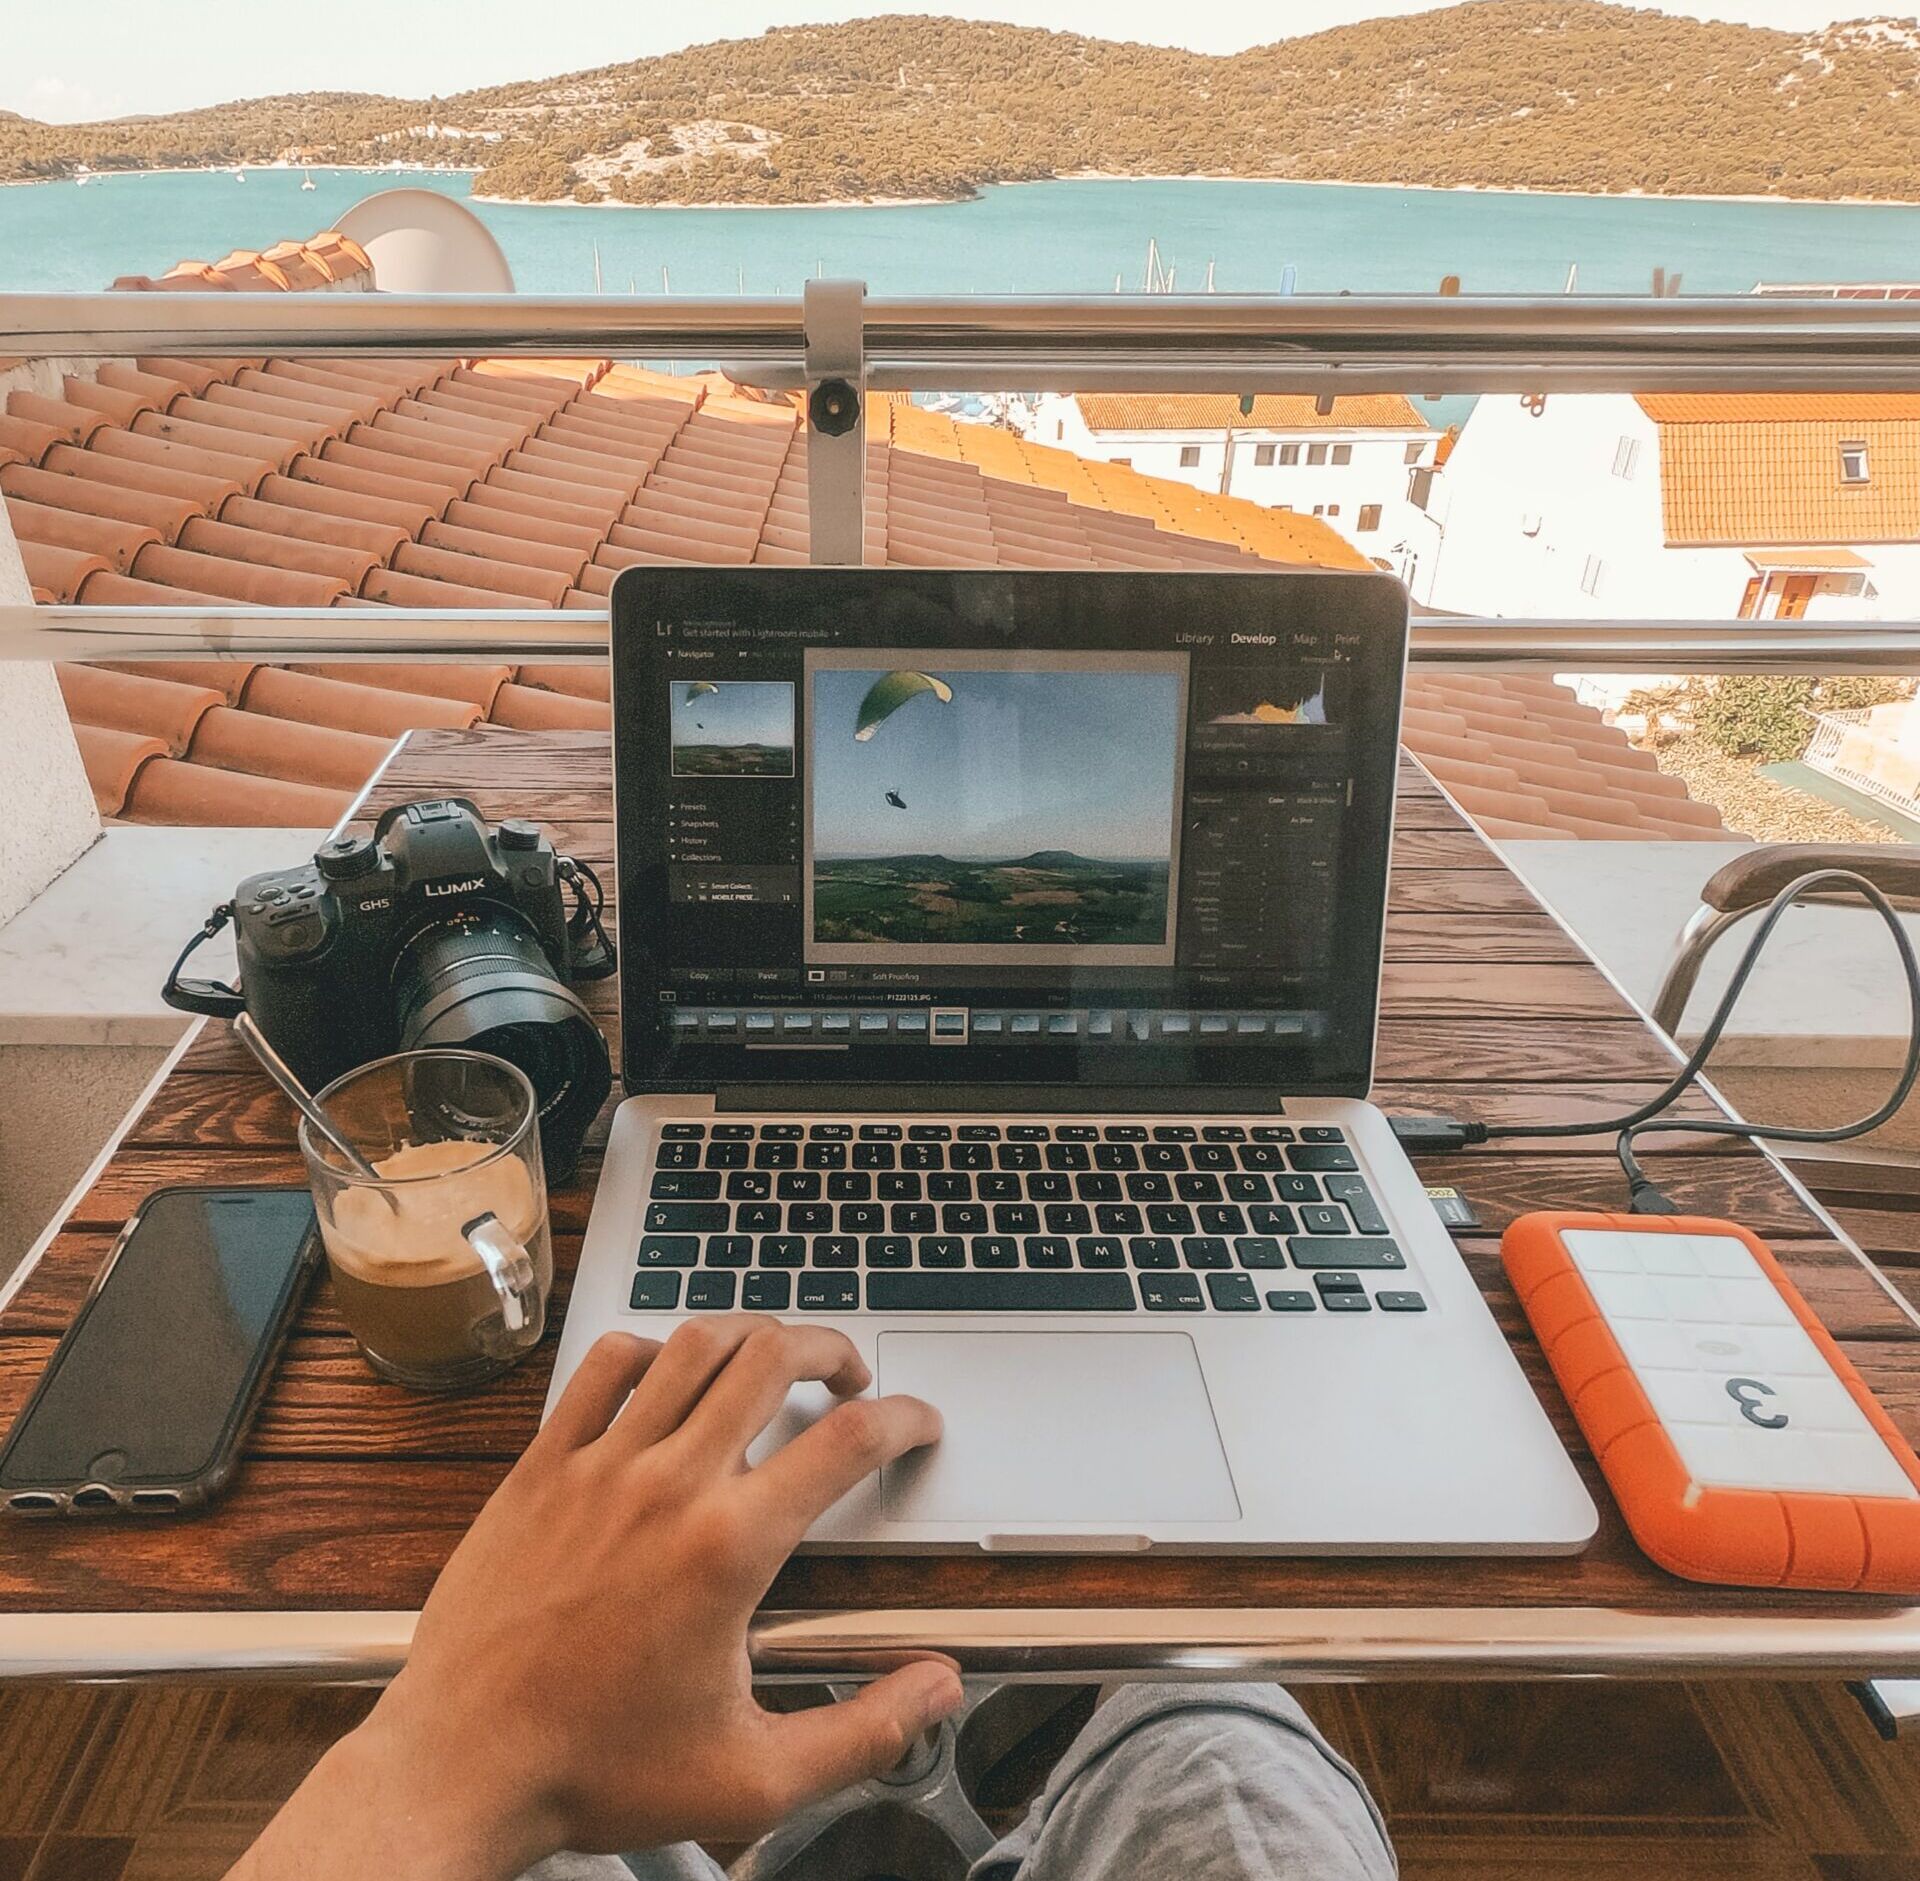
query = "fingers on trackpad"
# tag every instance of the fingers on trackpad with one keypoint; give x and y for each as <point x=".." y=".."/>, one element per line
<point x="1043" y="1428"/>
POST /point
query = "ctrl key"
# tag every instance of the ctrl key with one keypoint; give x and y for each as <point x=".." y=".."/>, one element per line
<point x="655" y="1291"/>
<point x="710" y="1293"/>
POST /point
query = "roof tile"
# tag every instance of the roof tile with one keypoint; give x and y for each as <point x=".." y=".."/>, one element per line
<point x="375" y="711"/>
<point x="117" y="542"/>
<point x="116" y="406"/>
<point x="238" y="581"/>
<point x="527" y="708"/>
<point x="512" y="579"/>
<point x="78" y="496"/>
<point x="355" y="481"/>
<point x="165" y="709"/>
<point x="266" y="450"/>
<point x="318" y="499"/>
<point x="29" y="442"/>
<point x="348" y="566"/>
<point x="138" y="447"/>
<point x="260" y="746"/>
<point x="203" y="490"/>
<point x="583" y="681"/>
<point x="61" y="572"/>
<point x="112" y="760"/>
<point x="398" y="588"/>
<point x="377" y="539"/>
<point x="470" y="682"/>
<point x="167" y="790"/>
<point x="229" y="678"/>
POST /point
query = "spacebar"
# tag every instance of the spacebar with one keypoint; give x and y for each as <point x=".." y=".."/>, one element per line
<point x="999" y="1293"/>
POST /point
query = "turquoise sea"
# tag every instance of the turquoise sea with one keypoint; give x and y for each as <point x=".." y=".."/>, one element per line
<point x="1067" y="237"/>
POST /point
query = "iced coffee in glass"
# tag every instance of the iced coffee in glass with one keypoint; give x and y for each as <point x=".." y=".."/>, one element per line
<point x="442" y="1264"/>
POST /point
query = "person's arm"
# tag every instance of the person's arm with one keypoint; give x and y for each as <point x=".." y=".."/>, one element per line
<point x="579" y="1677"/>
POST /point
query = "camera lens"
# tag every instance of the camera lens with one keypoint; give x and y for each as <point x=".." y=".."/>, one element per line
<point x="480" y="978"/>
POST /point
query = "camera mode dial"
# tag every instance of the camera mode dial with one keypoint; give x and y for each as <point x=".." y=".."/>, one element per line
<point x="517" y="833"/>
<point x="347" y="858"/>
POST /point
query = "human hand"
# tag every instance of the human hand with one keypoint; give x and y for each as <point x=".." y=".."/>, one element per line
<point x="579" y="1677"/>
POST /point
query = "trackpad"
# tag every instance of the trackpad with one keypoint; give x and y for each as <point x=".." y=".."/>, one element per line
<point x="1108" y="1427"/>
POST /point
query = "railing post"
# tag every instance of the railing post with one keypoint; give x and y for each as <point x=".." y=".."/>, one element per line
<point x="834" y="314"/>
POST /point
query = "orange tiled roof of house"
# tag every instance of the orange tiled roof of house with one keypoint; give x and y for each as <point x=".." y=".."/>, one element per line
<point x="1753" y="468"/>
<point x="1272" y="411"/>
<point x="292" y="267"/>
<point x="531" y="483"/>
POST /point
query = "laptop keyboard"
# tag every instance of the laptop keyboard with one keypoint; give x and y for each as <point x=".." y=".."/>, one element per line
<point x="914" y="1217"/>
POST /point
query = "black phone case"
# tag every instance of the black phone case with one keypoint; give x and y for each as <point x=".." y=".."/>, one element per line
<point x="162" y="1495"/>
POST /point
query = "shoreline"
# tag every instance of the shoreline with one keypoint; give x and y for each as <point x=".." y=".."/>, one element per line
<point x="927" y="202"/>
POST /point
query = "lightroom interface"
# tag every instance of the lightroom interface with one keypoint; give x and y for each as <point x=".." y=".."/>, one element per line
<point x="955" y="848"/>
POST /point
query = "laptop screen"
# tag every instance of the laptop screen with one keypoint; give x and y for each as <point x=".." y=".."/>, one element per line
<point x="910" y="826"/>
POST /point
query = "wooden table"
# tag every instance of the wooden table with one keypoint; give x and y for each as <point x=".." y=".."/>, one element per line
<point x="354" y="1491"/>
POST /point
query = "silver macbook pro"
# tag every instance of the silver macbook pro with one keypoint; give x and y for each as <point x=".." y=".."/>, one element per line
<point x="1000" y="961"/>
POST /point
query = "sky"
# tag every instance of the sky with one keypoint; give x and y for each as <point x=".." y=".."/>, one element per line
<point x="105" y="58"/>
<point x="1013" y="763"/>
<point x="741" y="712"/>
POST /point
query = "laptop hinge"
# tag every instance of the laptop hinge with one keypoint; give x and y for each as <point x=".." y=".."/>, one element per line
<point x="999" y="1099"/>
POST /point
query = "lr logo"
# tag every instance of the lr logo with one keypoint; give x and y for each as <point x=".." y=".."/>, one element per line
<point x="1749" y="1393"/>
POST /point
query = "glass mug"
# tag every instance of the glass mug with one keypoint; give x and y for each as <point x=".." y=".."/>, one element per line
<point x="443" y="1265"/>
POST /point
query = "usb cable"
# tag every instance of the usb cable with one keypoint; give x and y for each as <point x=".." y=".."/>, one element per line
<point x="1441" y="1135"/>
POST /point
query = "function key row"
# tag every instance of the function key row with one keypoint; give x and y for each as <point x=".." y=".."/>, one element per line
<point x="689" y="1132"/>
<point x="813" y="1292"/>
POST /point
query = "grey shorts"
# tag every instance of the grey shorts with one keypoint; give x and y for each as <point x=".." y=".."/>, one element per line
<point x="1165" y="1783"/>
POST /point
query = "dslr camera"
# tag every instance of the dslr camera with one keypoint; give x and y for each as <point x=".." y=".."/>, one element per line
<point x="435" y="930"/>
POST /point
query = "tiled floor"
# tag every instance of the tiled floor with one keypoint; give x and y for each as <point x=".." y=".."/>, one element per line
<point x="1492" y="1783"/>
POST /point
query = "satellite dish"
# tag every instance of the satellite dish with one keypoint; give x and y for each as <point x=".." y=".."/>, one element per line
<point x="421" y="242"/>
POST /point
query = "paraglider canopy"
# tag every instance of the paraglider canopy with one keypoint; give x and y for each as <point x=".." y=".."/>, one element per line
<point x="699" y="689"/>
<point x="888" y="694"/>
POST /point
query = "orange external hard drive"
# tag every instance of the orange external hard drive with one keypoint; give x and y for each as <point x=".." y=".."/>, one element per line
<point x="1741" y="1445"/>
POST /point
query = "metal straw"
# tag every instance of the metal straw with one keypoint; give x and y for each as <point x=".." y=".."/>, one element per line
<point x="299" y="1096"/>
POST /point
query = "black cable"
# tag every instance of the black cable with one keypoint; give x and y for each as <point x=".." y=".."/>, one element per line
<point x="1416" y="1133"/>
<point x="587" y="915"/>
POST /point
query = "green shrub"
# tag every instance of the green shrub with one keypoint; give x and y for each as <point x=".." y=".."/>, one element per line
<point x="1770" y="716"/>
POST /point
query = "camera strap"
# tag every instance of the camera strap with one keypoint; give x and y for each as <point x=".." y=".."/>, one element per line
<point x="215" y="999"/>
<point x="593" y="951"/>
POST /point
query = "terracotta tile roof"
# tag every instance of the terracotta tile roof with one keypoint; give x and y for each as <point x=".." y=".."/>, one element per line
<point x="327" y="258"/>
<point x="1749" y="469"/>
<point x="1526" y="760"/>
<point x="532" y="482"/>
<point x="1272" y="411"/>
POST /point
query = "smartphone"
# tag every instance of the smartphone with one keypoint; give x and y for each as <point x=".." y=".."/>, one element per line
<point x="146" y="1399"/>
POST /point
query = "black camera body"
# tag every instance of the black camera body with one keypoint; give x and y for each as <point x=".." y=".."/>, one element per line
<point x="436" y="930"/>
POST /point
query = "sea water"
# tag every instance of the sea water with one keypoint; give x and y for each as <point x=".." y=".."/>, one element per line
<point x="1075" y="237"/>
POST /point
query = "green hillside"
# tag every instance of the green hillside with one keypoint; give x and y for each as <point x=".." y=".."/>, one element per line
<point x="1500" y="93"/>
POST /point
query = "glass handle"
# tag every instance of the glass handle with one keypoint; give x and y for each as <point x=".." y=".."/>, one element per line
<point x="510" y="1267"/>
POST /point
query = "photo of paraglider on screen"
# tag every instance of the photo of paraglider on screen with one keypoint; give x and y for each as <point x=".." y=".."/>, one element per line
<point x="985" y="807"/>
<point x="732" y="727"/>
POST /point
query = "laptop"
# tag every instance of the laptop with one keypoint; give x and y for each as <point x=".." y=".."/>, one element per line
<point x="1000" y="960"/>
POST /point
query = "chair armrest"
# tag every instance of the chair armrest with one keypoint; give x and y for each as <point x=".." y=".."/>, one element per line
<point x="1753" y="879"/>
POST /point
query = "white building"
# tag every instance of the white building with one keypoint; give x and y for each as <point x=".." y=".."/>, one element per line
<point x="1358" y="466"/>
<point x="1760" y="506"/>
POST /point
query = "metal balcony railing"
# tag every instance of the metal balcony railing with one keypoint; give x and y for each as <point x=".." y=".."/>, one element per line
<point x="834" y="331"/>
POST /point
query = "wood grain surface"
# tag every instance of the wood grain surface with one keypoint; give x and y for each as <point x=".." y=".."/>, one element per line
<point x="353" y="1491"/>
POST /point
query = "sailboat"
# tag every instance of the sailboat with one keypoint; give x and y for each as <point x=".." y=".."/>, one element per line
<point x="306" y="179"/>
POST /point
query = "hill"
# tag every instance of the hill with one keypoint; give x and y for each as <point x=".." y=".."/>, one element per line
<point x="1540" y="94"/>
